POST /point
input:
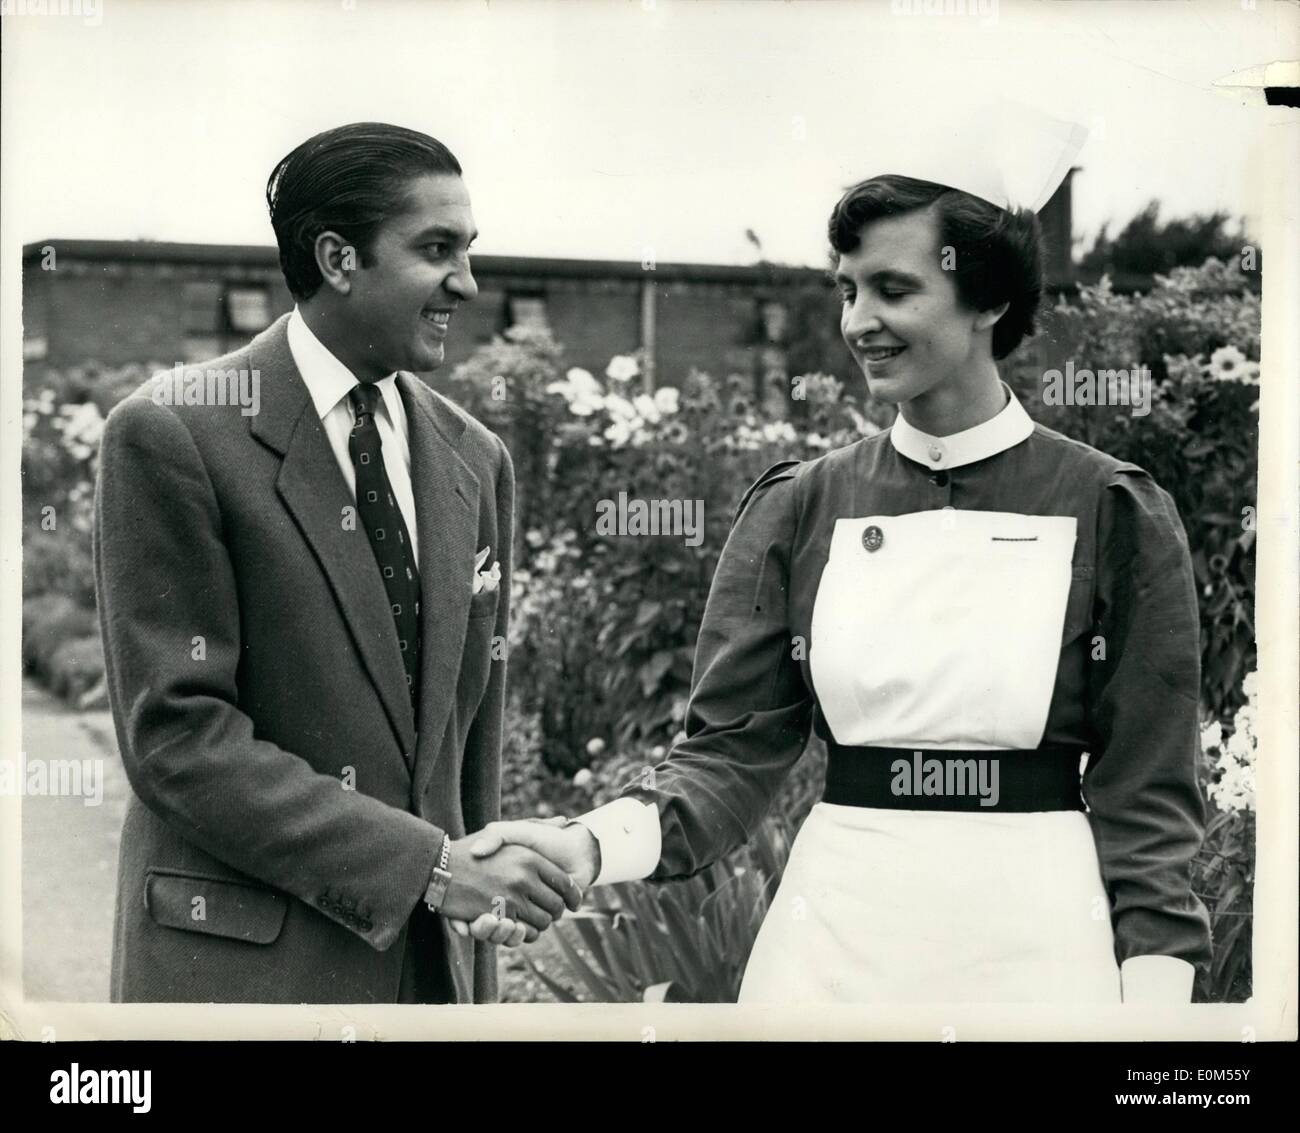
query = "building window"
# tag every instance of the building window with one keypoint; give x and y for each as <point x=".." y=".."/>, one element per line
<point x="248" y="309"/>
<point x="201" y="319"/>
<point x="527" y="311"/>
<point x="775" y="318"/>
<point x="202" y="301"/>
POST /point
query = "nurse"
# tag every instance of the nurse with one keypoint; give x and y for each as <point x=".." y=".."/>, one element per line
<point x="984" y="600"/>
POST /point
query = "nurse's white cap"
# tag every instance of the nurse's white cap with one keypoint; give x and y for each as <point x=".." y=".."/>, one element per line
<point x="1008" y="154"/>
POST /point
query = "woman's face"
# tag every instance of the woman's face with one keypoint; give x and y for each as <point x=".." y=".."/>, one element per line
<point x="901" y="315"/>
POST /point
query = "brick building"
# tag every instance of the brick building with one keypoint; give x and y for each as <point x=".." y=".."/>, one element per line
<point x="121" y="301"/>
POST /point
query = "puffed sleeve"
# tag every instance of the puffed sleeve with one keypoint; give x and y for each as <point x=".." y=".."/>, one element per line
<point x="747" y="719"/>
<point x="1140" y="784"/>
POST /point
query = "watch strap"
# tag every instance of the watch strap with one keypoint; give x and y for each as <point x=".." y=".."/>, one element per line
<point x="436" y="891"/>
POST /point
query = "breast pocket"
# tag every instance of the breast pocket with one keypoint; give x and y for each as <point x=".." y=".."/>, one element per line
<point x="484" y="604"/>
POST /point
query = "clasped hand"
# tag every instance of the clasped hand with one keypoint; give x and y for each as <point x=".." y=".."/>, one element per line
<point x="526" y="871"/>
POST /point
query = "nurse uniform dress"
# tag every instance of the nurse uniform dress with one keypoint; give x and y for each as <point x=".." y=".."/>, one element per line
<point x="967" y="621"/>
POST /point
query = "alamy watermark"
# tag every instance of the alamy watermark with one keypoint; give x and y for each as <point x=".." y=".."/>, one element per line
<point x="1131" y="387"/>
<point x="985" y="10"/>
<point x="626" y="516"/>
<point x="190" y="385"/>
<point x="90" y="11"/>
<point x="76" y="1086"/>
<point x="919" y="776"/>
<point x="71" y="778"/>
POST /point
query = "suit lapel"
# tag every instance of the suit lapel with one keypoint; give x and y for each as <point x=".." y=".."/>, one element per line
<point x="315" y="493"/>
<point x="447" y="515"/>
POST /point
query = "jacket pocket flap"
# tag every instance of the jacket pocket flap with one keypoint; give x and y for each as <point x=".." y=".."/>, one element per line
<point x="214" y="906"/>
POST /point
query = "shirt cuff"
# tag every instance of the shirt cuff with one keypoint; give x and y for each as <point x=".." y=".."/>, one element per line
<point x="627" y="832"/>
<point x="1156" y="979"/>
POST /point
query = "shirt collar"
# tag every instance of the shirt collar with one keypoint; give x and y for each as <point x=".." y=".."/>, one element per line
<point x="1007" y="429"/>
<point x="328" y="380"/>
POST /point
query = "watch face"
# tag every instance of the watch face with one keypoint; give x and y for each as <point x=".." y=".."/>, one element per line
<point x="437" y="888"/>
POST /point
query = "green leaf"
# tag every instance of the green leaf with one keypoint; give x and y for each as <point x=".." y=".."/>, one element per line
<point x="648" y="612"/>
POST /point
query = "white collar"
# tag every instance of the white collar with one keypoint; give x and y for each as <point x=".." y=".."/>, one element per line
<point x="329" y="380"/>
<point x="1008" y="428"/>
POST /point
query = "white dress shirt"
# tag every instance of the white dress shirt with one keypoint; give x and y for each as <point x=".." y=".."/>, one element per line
<point x="329" y="381"/>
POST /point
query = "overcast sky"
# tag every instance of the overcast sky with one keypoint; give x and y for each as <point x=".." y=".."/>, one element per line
<point x="604" y="128"/>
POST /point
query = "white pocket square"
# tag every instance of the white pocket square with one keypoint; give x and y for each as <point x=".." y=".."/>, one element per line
<point x="487" y="580"/>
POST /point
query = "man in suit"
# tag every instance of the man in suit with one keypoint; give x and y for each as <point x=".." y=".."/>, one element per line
<point x="304" y="614"/>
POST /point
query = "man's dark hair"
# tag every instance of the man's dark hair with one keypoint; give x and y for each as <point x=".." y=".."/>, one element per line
<point x="999" y="256"/>
<point x="348" y="180"/>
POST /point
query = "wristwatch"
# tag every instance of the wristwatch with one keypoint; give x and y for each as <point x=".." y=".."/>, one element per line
<point x="437" y="890"/>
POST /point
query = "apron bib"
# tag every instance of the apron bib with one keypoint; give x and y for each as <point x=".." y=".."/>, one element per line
<point x="941" y="629"/>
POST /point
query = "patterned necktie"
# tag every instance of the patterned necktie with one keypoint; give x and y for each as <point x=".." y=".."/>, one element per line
<point x="386" y="529"/>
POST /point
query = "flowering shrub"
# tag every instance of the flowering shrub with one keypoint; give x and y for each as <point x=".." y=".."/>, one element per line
<point x="63" y="418"/>
<point x="1200" y="439"/>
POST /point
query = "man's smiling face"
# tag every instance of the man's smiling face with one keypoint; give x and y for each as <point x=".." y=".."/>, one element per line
<point x="901" y="315"/>
<point x="415" y="274"/>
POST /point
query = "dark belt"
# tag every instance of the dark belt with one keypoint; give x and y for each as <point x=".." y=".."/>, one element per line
<point x="1046" y="778"/>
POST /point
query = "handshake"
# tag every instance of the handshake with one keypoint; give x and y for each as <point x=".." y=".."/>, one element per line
<point x="527" y="872"/>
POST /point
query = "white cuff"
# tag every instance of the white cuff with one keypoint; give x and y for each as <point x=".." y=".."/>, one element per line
<point x="1156" y="979"/>
<point x="627" y="832"/>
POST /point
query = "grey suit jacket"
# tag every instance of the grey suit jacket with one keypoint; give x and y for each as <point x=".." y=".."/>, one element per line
<point x="288" y="807"/>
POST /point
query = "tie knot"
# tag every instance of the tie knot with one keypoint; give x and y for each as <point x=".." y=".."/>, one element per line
<point x="364" y="397"/>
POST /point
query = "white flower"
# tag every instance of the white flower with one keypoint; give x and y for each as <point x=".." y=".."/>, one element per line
<point x="1233" y="787"/>
<point x="580" y="390"/>
<point x="583" y="779"/>
<point x="618" y="433"/>
<point x="82" y="422"/>
<point x="1227" y="364"/>
<point x="646" y="409"/>
<point x="620" y="408"/>
<point x="1211" y="735"/>
<point x="595" y="746"/>
<point x="666" y="400"/>
<point x="582" y="382"/>
<point x="622" y="368"/>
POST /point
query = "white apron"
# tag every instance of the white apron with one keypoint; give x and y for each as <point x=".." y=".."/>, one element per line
<point x="906" y="906"/>
<point x="939" y="630"/>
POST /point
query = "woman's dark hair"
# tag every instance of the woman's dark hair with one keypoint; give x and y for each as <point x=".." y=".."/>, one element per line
<point x="348" y="180"/>
<point x="999" y="256"/>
